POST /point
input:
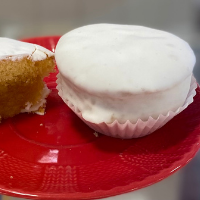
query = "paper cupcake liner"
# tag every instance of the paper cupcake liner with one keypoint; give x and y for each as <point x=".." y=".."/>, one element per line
<point x="129" y="130"/>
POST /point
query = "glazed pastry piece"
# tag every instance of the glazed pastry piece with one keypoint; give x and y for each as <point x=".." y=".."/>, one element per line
<point x="22" y="69"/>
<point x="122" y="72"/>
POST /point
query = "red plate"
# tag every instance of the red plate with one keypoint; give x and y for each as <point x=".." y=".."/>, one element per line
<point x="56" y="156"/>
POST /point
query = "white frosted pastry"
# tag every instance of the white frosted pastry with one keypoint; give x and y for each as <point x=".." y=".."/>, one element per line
<point x="122" y="72"/>
<point x="22" y="69"/>
<point x="15" y="50"/>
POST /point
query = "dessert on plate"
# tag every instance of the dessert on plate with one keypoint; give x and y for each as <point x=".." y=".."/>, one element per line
<point x="22" y="69"/>
<point x="121" y="75"/>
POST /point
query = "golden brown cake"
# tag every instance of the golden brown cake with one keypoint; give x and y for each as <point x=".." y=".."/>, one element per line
<point x="22" y="69"/>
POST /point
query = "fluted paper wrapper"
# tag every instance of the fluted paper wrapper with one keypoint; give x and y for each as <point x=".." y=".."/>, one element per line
<point x="129" y="130"/>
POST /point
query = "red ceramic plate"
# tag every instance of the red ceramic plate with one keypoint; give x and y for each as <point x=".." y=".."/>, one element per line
<point x="56" y="156"/>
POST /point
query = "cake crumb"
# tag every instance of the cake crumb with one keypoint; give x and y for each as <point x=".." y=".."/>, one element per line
<point x="96" y="134"/>
<point x="11" y="177"/>
<point x="41" y="124"/>
<point x="41" y="110"/>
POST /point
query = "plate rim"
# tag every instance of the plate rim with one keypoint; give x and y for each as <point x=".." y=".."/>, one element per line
<point x="98" y="194"/>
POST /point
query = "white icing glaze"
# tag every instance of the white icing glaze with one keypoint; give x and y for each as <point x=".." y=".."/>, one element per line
<point x="123" y="72"/>
<point x="14" y="49"/>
